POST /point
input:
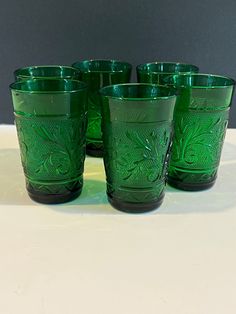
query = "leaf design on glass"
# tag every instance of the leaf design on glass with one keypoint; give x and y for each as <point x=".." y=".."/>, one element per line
<point x="199" y="103"/>
<point x="151" y="158"/>
<point x="54" y="148"/>
<point x="135" y="160"/>
<point x="57" y="160"/>
<point x="139" y="116"/>
<point x="167" y="79"/>
<point x="75" y="185"/>
<point x="196" y="136"/>
<point x="55" y="188"/>
<point x="189" y="177"/>
<point x="94" y="116"/>
<point x="22" y="143"/>
<point x="134" y="137"/>
<point x="137" y="195"/>
<point x="43" y="133"/>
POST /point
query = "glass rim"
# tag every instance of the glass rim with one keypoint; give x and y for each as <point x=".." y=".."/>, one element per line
<point x="207" y="75"/>
<point x="18" y="70"/>
<point x="140" y="67"/>
<point x="107" y="61"/>
<point x="157" y="86"/>
<point x="15" y="86"/>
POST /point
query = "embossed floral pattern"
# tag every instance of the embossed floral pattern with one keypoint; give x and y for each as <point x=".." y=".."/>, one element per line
<point x="197" y="145"/>
<point x="52" y="152"/>
<point x="136" y="158"/>
<point x="94" y="117"/>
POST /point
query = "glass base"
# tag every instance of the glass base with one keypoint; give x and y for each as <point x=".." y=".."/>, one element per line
<point x="94" y="152"/>
<point x="135" y="208"/>
<point x="190" y="186"/>
<point x="54" y="198"/>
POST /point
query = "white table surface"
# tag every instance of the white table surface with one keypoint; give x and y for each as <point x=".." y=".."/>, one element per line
<point x="85" y="257"/>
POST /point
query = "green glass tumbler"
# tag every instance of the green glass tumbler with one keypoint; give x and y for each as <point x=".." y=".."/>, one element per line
<point x="137" y="128"/>
<point x="47" y="71"/>
<point x="162" y="72"/>
<point x="50" y="117"/>
<point x="200" y="122"/>
<point x="97" y="74"/>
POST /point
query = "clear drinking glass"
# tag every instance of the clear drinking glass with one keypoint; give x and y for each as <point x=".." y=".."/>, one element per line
<point x="137" y="128"/>
<point x="50" y="116"/>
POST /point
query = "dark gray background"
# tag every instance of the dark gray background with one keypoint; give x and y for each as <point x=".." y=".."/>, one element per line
<point x="61" y="32"/>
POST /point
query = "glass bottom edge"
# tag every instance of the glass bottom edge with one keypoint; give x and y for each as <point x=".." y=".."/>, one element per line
<point x="54" y="198"/>
<point x="190" y="186"/>
<point x="135" y="208"/>
<point x="94" y="152"/>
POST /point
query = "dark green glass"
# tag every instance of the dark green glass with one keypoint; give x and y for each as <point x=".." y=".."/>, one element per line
<point x="50" y="117"/>
<point x="137" y="128"/>
<point x="162" y="72"/>
<point x="97" y="74"/>
<point x="47" y="71"/>
<point x="200" y="122"/>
